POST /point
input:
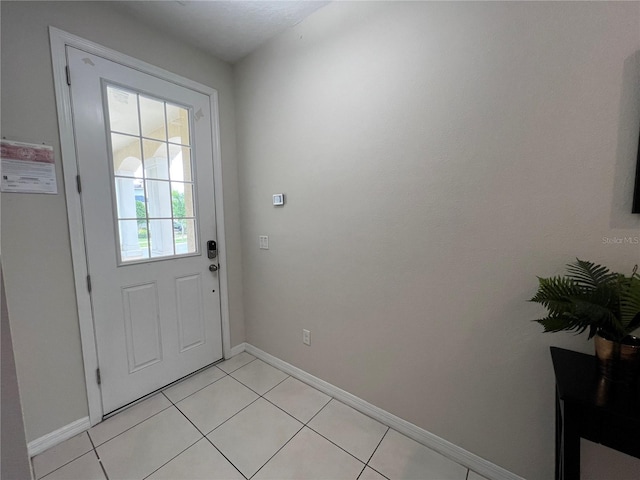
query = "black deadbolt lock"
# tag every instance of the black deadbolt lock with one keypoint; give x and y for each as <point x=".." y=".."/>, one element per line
<point x="212" y="249"/>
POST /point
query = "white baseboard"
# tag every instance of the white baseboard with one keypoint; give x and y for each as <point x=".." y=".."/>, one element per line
<point x="49" y="440"/>
<point x="237" y="349"/>
<point x="440" y="445"/>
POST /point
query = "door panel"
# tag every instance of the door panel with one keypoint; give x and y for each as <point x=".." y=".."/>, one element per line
<point x="145" y="153"/>
<point x="140" y="306"/>
<point x="190" y="311"/>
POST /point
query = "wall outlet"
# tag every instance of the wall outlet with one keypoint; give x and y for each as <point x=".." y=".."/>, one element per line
<point x="306" y="337"/>
<point x="264" y="242"/>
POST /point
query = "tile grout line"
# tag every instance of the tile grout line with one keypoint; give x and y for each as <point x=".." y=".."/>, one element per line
<point x="253" y="389"/>
<point x="251" y="361"/>
<point x="175" y="456"/>
<point x="217" y="426"/>
<point x="261" y="396"/>
<point x="95" y="450"/>
<point x="334" y="443"/>
<point x="191" y="445"/>
<point x="361" y="472"/>
<point x="374" y="452"/>
<point x="93" y="445"/>
<point x="379" y="443"/>
<point x="282" y="381"/>
<point x="237" y="413"/>
<point x="132" y="426"/>
<point x="189" y="420"/>
<point x="310" y="428"/>
<point x="245" y="407"/>
<point x="61" y="466"/>
<point x="162" y="391"/>
<point x="225" y="457"/>
<point x="303" y="423"/>
<point x="206" y="438"/>
<point x="175" y="404"/>
<point x="66" y="463"/>
<point x="193" y="374"/>
<point x="284" y="411"/>
<point x="196" y="391"/>
<point x="318" y="412"/>
<point x="342" y="448"/>
<point x="278" y="451"/>
<point x="242" y="409"/>
<point x="139" y="423"/>
<point x="208" y="385"/>
<point x="365" y="464"/>
<point x="104" y="470"/>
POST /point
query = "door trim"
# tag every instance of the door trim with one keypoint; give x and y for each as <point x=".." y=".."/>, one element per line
<point x="59" y="41"/>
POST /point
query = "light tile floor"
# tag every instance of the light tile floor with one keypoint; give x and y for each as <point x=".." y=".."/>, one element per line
<point x="243" y="419"/>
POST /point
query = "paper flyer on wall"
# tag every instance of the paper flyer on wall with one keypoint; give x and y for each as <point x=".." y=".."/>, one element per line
<point x="27" y="168"/>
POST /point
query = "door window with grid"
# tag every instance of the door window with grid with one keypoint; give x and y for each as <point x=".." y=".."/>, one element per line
<point x="153" y="188"/>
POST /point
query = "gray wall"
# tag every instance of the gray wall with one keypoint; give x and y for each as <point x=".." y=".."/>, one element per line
<point x="35" y="238"/>
<point x="437" y="157"/>
<point x="14" y="461"/>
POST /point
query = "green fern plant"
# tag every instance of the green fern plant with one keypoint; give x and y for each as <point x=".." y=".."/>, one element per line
<point x="591" y="297"/>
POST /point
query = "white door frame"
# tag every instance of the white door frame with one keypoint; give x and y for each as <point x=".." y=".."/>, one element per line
<point x="59" y="41"/>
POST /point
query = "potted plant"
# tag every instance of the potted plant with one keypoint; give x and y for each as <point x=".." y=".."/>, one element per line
<point x="604" y="303"/>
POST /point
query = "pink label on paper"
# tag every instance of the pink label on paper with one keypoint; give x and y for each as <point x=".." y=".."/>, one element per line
<point x="31" y="153"/>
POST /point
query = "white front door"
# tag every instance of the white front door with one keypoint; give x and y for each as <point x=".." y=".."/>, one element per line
<point x="145" y="158"/>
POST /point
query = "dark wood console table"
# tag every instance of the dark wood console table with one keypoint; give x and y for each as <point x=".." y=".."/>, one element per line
<point x="589" y="407"/>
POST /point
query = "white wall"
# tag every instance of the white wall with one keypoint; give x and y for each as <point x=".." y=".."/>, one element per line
<point x="35" y="238"/>
<point x="437" y="157"/>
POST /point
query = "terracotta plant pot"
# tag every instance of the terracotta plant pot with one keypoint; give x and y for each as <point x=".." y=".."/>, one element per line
<point x="618" y="361"/>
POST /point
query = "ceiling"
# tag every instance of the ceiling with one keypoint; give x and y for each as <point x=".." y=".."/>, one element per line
<point x="227" y="29"/>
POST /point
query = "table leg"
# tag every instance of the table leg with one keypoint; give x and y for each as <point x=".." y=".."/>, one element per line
<point x="558" y="469"/>
<point x="570" y="443"/>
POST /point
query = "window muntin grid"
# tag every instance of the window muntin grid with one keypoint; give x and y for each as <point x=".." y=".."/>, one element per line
<point x="154" y="190"/>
